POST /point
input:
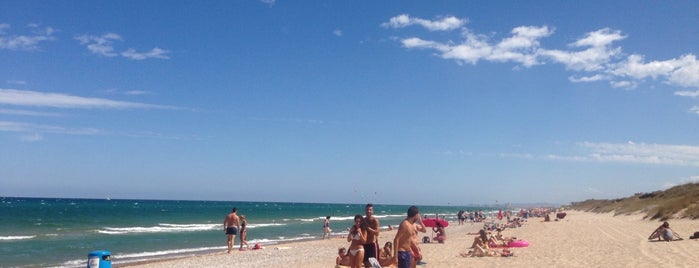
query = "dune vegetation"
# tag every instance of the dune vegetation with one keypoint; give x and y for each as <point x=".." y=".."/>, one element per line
<point x="681" y="201"/>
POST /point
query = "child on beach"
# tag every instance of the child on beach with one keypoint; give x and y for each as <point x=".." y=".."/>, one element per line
<point x="342" y="258"/>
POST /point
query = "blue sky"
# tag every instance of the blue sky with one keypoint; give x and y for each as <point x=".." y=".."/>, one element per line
<point x="422" y="102"/>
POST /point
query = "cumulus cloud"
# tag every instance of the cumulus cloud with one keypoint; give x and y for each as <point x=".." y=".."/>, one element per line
<point x="103" y="45"/>
<point x="59" y="100"/>
<point x="443" y="24"/>
<point x="25" y="42"/>
<point x="593" y="57"/>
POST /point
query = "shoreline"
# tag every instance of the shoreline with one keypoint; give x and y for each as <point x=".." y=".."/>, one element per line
<point x="582" y="239"/>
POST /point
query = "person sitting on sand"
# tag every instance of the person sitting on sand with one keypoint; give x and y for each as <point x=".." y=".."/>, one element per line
<point x="504" y="240"/>
<point x="342" y="258"/>
<point x="480" y="249"/>
<point x="386" y="255"/>
<point x="664" y="233"/>
<point x="482" y="236"/>
<point x="441" y="233"/>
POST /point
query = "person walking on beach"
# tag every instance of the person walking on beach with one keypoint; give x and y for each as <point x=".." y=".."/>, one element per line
<point x="243" y="232"/>
<point x="230" y="226"/>
<point x="371" y="246"/>
<point x="326" y="227"/>
<point x="402" y="242"/>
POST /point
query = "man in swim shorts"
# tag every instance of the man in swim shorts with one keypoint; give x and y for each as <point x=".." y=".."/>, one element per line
<point x="230" y="226"/>
<point x="404" y="239"/>
<point x="371" y="247"/>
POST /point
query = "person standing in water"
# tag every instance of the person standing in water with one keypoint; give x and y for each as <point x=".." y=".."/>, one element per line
<point x="326" y="227"/>
<point x="230" y="226"/>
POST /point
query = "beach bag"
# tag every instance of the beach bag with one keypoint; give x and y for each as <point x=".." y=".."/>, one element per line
<point x="695" y="236"/>
<point x="426" y="239"/>
<point x="374" y="263"/>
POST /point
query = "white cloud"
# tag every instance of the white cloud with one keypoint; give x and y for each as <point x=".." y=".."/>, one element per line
<point x="25" y="42"/>
<point x="692" y="94"/>
<point x="592" y="78"/>
<point x="337" y="32"/>
<point x="623" y="84"/>
<point x="26" y="113"/>
<point x="104" y="45"/>
<point x="694" y="109"/>
<point x="444" y="24"/>
<point x="101" y="45"/>
<point x="599" y="38"/>
<point x="157" y="53"/>
<point x="593" y="55"/>
<point x="522" y="46"/>
<point x="597" y="54"/>
<point x="684" y="155"/>
<point x="268" y="2"/>
<point x="38" y="128"/>
<point x="59" y="100"/>
<point x="636" y="153"/>
<point x="32" y="137"/>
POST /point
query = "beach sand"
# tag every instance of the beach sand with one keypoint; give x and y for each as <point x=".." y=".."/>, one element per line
<point x="580" y="240"/>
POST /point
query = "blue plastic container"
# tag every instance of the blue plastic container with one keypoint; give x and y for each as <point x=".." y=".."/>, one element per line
<point x="99" y="259"/>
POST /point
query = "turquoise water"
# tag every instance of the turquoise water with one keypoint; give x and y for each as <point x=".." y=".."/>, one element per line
<point x="61" y="232"/>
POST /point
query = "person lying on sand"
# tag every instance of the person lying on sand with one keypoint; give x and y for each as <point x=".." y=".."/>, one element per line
<point x="664" y="233"/>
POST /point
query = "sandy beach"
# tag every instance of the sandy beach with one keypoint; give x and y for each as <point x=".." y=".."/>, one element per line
<point x="580" y="240"/>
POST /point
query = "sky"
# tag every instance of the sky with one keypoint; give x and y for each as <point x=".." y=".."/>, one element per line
<point x="409" y="102"/>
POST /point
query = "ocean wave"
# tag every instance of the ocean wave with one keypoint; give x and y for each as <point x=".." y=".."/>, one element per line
<point x="18" y="237"/>
<point x="161" y="228"/>
<point x="251" y="226"/>
<point x="174" y="228"/>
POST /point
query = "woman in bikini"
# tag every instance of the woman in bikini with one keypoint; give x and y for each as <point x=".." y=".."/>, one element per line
<point x="243" y="232"/>
<point x="357" y="238"/>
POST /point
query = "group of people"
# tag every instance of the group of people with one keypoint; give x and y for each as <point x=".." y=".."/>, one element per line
<point x="363" y="251"/>
<point x="363" y="238"/>
<point x="472" y="216"/>
<point x="233" y="225"/>
<point x="485" y="241"/>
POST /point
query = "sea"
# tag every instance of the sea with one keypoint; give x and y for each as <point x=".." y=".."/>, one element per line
<point x="54" y="232"/>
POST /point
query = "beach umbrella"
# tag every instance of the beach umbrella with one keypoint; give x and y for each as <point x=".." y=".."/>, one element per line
<point x="432" y="222"/>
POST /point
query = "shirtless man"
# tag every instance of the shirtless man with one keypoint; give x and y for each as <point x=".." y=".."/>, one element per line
<point x="371" y="247"/>
<point x="230" y="226"/>
<point x="404" y="239"/>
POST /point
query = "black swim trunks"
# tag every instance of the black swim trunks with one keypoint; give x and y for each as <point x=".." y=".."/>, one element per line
<point x="371" y="250"/>
<point x="231" y="231"/>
